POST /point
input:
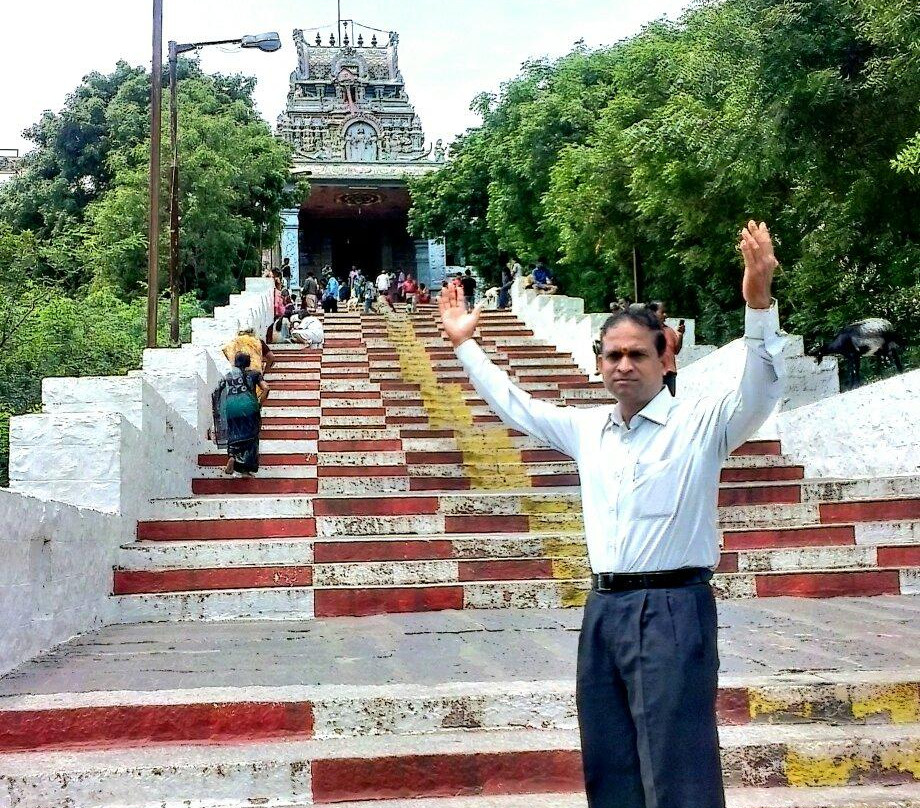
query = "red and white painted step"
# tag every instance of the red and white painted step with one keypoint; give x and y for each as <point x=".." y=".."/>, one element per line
<point x="332" y="744"/>
<point x="365" y="505"/>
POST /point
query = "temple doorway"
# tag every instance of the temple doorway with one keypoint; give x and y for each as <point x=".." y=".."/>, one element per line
<point x="366" y="228"/>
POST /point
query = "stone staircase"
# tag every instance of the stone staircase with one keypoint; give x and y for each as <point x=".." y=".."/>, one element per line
<point x="389" y="486"/>
<point x="392" y="593"/>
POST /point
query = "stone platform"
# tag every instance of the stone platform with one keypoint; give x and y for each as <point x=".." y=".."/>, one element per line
<point x="459" y="704"/>
<point x="776" y="637"/>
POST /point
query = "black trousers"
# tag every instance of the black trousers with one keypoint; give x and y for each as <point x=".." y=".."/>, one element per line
<point x="646" y="693"/>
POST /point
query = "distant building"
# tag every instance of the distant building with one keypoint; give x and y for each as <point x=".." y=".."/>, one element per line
<point x="356" y="139"/>
<point x="10" y="162"/>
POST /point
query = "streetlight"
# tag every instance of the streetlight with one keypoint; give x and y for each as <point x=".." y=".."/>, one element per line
<point x="153" y="190"/>
<point x="265" y="42"/>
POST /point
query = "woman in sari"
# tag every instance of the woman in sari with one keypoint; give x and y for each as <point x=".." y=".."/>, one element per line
<point x="238" y="415"/>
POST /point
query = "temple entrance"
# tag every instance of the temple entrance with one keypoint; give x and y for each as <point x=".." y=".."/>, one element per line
<point x="355" y="244"/>
<point x="357" y="140"/>
<point x="370" y="245"/>
<point x="366" y="227"/>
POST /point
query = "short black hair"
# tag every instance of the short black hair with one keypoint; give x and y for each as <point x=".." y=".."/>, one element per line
<point x="242" y="360"/>
<point x="644" y="317"/>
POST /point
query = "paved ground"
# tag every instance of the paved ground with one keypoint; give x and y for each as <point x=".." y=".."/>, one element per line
<point x="758" y="637"/>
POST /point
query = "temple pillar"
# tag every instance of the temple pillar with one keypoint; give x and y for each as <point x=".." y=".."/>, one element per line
<point x="437" y="262"/>
<point x="290" y="242"/>
<point x="422" y="265"/>
<point x="386" y="252"/>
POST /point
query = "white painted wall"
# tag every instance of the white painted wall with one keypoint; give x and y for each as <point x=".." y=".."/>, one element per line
<point x="85" y="469"/>
<point x="56" y="575"/>
<point x="721" y="369"/>
<point x="873" y="430"/>
<point x="108" y="443"/>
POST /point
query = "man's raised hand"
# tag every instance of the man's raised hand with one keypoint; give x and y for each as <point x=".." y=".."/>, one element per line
<point x="759" y="264"/>
<point x="457" y="321"/>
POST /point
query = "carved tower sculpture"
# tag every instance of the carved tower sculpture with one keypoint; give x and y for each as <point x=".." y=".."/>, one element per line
<point x="348" y="103"/>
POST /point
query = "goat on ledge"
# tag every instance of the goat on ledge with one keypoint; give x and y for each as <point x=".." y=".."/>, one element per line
<point x="871" y="337"/>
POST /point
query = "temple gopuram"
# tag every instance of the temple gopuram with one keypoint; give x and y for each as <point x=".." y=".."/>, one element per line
<point x="357" y="140"/>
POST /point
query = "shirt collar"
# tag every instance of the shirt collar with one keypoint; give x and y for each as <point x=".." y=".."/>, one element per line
<point x="657" y="410"/>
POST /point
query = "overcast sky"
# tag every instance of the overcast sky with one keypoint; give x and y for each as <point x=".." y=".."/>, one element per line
<point x="449" y="51"/>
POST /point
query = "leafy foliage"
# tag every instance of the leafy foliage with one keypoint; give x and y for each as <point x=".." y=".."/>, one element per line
<point x="84" y="188"/>
<point x="805" y="114"/>
<point x="73" y="243"/>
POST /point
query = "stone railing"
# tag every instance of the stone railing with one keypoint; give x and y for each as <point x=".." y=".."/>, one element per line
<point x="702" y="369"/>
<point x="85" y="469"/>
<point x="561" y="320"/>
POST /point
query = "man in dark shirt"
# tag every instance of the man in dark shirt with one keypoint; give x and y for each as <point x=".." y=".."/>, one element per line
<point x="543" y="279"/>
<point x="310" y="293"/>
<point x="468" y="282"/>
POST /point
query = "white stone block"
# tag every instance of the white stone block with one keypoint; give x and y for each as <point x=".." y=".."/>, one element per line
<point x="122" y="394"/>
<point x="871" y="431"/>
<point x="57" y="573"/>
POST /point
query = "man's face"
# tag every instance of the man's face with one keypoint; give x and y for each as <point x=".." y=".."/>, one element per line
<point x="629" y="363"/>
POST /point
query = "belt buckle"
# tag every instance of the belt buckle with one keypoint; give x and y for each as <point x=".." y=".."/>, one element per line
<point x="600" y="582"/>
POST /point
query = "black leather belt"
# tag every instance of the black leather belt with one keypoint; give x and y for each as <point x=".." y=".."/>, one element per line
<point x="669" y="579"/>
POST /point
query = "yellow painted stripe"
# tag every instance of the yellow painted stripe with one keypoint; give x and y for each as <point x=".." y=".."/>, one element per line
<point x="573" y="595"/>
<point x="564" y="548"/>
<point x="490" y="459"/>
<point x="807" y="770"/>
<point x="570" y="569"/>
<point x="901" y="702"/>
<point x="768" y="704"/>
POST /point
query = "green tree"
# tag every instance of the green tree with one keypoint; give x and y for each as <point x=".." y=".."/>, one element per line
<point x="233" y="185"/>
<point x="69" y="167"/>
<point x="453" y="203"/>
<point x="84" y="186"/>
<point x="802" y="113"/>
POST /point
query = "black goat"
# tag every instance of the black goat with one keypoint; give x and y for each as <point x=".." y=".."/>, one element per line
<point x="871" y="337"/>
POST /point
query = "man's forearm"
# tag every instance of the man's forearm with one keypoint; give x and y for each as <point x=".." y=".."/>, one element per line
<point x="516" y="407"/>
<point x="763" y="380"/>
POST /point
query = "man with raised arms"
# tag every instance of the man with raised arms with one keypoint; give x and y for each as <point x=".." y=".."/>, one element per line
<point x="649" y="465"/>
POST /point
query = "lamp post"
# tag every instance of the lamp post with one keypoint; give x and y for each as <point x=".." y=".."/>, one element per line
<point x="265" y="42"/>
<point x="153" y="218"/>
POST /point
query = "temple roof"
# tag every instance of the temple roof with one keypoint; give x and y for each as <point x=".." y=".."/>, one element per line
<point x="347" y="104"/>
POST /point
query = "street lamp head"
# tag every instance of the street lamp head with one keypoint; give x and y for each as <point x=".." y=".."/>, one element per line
<point x="264" y="42"/>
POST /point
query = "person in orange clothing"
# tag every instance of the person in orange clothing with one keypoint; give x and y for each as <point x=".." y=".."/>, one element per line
<point x="674" y="341"/>
<point x="260" y="356"/>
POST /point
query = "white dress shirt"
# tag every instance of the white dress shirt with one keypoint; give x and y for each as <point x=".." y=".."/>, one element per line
<point x="649" y="488"/>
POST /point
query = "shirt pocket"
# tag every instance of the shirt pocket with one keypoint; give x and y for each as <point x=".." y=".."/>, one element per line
<point x="656" y="488"/>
